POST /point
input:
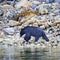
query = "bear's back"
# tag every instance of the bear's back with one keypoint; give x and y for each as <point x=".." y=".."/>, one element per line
<point x="33" y="30"/>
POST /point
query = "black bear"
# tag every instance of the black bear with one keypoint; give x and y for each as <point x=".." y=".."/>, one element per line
<point x="33" y="31"/>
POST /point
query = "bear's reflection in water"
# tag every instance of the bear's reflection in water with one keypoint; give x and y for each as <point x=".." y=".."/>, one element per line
<point x="16" y="53"/>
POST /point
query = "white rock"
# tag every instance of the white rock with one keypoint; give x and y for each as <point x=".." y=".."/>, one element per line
<point x="22" y="3"/>
<point x="35" y="2"/>
<point x="12" y="23"/>
<point x="9" y="30"/>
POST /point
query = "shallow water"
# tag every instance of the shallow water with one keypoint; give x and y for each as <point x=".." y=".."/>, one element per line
<point x="22" y="53"/>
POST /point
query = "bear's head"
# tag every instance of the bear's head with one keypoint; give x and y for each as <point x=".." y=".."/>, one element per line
<point x="21" y="32"/>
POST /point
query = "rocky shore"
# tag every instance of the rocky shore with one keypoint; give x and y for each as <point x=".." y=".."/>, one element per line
<point x="33" y="13"/>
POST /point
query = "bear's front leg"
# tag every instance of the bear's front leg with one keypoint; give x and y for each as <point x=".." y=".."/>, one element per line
<point x="36" y="38"/>
<point x="27" y="37"/>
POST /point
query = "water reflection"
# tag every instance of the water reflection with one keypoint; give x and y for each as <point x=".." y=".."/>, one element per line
<point x="16" y="53"/>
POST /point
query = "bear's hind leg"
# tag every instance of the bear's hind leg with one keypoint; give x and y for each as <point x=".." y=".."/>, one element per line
<point x="45" y="37"/>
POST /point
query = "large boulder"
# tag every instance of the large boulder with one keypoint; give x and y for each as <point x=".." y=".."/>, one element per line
<point x="9" y="31"/>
